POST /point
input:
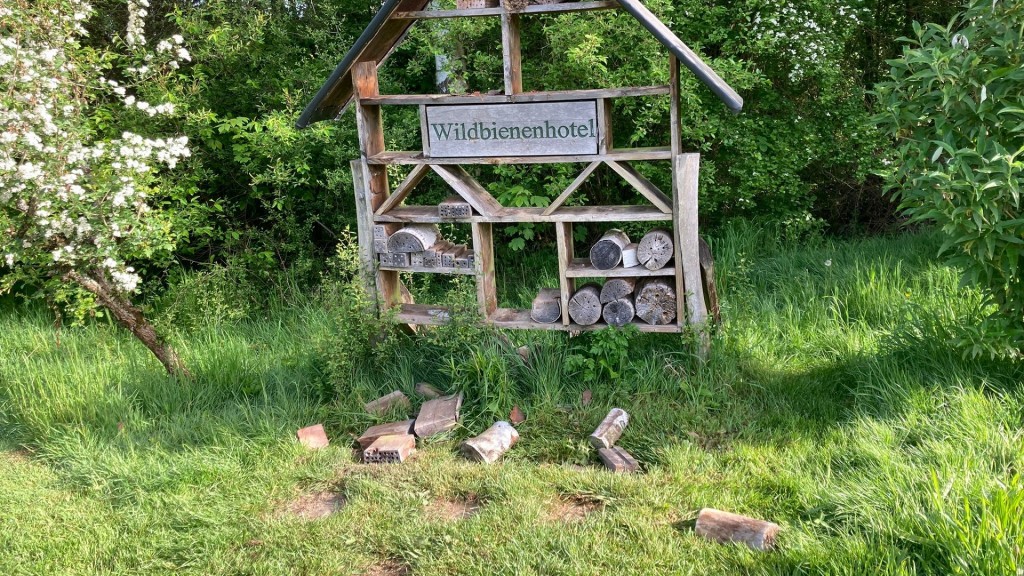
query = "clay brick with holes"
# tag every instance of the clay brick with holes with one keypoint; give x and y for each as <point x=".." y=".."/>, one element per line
<point x="391" y="449"/>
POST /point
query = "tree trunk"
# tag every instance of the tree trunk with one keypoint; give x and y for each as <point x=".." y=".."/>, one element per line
<point x="131" y="318"/>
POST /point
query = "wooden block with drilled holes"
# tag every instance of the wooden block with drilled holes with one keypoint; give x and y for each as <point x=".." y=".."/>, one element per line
<point x="389" y="429"/>
<point x="390" y="449"/>
<point x="454" y="207"/>
<point x="384" y="231"/>
<point x="387" y="402"/>
<point x="416" y="259"/>
<point x="380" y="246"/>
<point x="618" y="460"/>
<point x="465" y="260"/>
<point x="313" y="437"/>
<point x="438" y="415"/>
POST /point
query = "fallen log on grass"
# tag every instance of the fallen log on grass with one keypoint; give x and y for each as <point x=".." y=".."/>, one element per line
<point x="728" y="527"/>
<point x="585" y="305"/>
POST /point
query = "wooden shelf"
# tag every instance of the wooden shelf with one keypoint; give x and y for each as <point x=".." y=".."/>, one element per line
<point x="467" y="271"/>
<point x="422" y="314"/>
<point x="531" y="9"/>
<point x="553" y="96"/>
<point x="517" y="318"/>
<point x="627" y="155"/>
<point x="581" y="268"/>
<point x="428" y="214"/>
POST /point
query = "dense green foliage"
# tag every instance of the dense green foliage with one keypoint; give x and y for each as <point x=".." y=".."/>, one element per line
<point x="955" y="101"/>
<point x="834" y="404"/>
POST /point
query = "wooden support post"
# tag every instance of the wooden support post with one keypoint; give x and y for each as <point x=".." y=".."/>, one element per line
<point x="687" y="174"/>
<point x="563" y="235"/>
<point x="511" y="53"/>
<point x="673" y="90"/>
<point x="486" y="286"/>
<point x="364" y="232"/>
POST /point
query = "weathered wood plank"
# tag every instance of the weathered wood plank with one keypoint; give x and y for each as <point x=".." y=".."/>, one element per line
<point x="511" y="55"/>
<point x="687" y="170"/>
<point x="566" y="251"/>
<point x="467" y="187"/>
<point x="723" y="527"/>
<point x="407" y="157"/>
<point x="707" y="276"/>
<point x="581" y="268"/>
<point x="520" y="319"/>
<point x="483" y="265"/>
<point x="549" y="96"/>
<point x="557" y="202"/>
<point x="642" y="185"/>
<point x="482" y="12"/>
<point x="412" y="179"/>
<point x="406" y="214"/>
<point x="618" y="460"/>
<point x="364" y="232"/>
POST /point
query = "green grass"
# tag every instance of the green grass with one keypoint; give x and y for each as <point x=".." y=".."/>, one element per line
<point x="834" y="404"/>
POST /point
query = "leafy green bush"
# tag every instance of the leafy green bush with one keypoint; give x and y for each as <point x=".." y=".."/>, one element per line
<point x="955" y="104"/>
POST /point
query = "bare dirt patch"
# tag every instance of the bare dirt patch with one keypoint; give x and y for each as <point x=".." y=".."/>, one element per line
<point x="452" y="510"/>
<point x="387" y="568"/>
<point x="19" y="456"/>
<point x="573" y="507"/>
<point x="313" y="505"/>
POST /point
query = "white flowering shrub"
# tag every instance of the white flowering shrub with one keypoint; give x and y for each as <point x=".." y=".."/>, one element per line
<point x="74" y="202"/>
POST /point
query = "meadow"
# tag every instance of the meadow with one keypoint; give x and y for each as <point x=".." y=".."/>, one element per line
<point x="836" y="403"/>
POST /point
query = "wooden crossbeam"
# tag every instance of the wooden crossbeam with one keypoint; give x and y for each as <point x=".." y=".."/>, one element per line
<point x="402" y="192"/>
<point x="467" y="187"/>
<point x="642" y="185"/>
<point x="557" y="203"/>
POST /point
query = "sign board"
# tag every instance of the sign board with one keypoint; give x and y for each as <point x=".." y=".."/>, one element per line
<point x="528" y="129"/>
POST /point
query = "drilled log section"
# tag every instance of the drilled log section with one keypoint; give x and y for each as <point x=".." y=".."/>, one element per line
<point x="606" y="253"/>
<point x="619" y="312"/>
<point x="394" y="259"/>
<point x="655" y="301"/>
<point x="610" y="429"/>
<point x="615" y="288"/>
<point x="387" y="402"/>
<point x="707" y="277"/>
<point x="389" y="429"/>
<point x="490" y="445"/>
<point x="438" y="415"/>
<point x="655" y="249"/>
<point x="585" y="305"/>
<point x="414" y="238"/>
<point x="724" y="527"/>
<point x="449" y="255"/>
<point x="384" y="231"/>
<point x="454" y="207"/>
<point x="629" y="255"/>
<point x="547" y="306"/>
<point x="618" y="460"/>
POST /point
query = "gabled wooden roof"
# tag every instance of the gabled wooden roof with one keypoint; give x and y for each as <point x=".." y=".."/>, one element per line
<point x="385" y="33"/>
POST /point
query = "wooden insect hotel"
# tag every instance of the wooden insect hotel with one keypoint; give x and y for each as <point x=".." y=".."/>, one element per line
<point x="655" y="284"/>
